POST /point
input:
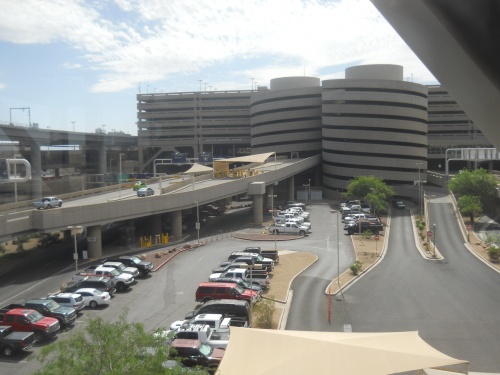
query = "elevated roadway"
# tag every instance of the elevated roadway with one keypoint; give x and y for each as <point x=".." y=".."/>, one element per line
<point x="94" y="211"/>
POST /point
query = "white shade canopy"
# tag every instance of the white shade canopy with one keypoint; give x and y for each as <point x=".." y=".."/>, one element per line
<point x="276" y="352"/>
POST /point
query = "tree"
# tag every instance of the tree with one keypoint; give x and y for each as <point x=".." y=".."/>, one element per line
<point x="104" y="348"/>
<point x="371" y="189"/>
<point x="470" y="205"/>
<point x="478" y="183"/>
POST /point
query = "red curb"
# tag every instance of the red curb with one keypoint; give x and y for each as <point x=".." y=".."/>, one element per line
<point x="174" y="254"/>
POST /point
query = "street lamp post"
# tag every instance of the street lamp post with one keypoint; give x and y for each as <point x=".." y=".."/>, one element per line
<point x="120" y="176"/>
<point x="338" y="255"/>
<point x="75" y="230"/>
<point x="419" y="189"/>
<point x="434" y="247"/>
<point x="272" y="217"/>
<point x="251" y="267"/>
<point x="198" y="220"/>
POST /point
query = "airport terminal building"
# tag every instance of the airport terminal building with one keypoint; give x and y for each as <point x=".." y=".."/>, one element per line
<point x="372" y="122"/>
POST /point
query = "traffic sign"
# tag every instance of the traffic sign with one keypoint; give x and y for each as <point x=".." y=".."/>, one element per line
<point x="376" y="237"/>
<point x="429" y="233"/>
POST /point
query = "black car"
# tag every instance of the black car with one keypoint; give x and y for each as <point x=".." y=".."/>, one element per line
<point x="103" y="284"/>
<point x="133" y="261"/>
<point x="363" y="226"/>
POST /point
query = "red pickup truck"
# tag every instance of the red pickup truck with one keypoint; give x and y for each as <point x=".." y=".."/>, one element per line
<point x="27" y="320"/>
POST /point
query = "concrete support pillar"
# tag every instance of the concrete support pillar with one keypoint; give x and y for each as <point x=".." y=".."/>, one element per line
<point x="36" y="170"/>
<point x="227" y="202"/>
<point x="269" y="199"/>
<point x="177" y="224"/>
<point x="291" y="188"/>
<point x="155" y="224"/>
<point x="140" y="154"/>
<point x="102" y="161"/>
<point x="258" y="217"/>
<point x="94" y="241"/>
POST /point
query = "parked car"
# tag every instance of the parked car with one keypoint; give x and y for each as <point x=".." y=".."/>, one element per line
<point x="94" y="297"/>
<point x="238" y="311"/>
<point x="121" y="267"/>
<point x="363" y="226"/>
<point x="194" y="353"/>
<point x="145" y="191"/>
<point x="209" y="291"/>
<point x="12" y="342"/>
<point x="133" y="261"/>
<point x="69" y="300"/>
<point x="102" y="283"/>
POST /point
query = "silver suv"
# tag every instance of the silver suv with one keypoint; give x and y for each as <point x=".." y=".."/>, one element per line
<point x="69" y="300"/>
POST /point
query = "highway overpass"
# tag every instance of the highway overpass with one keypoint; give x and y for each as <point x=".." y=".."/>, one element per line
<point x="93" y="211"/>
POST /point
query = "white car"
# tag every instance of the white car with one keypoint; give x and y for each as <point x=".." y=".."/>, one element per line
<point x="94" y="297"/>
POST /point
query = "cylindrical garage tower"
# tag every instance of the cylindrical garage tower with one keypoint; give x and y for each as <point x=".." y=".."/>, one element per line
<point x="374" y="124"/>
<point x="287" y="119"/>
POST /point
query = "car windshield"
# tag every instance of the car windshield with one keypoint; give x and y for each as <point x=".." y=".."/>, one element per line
<point x="35" y="316"/>
<point x="205" y="349"/>
<point x="239" y="289"/>
<point x="136" y="260"/>
<point x="245" y="283"/>
<point x="115" y="272"/>
<point x="121" y="267"/>
<point x="53" y="305"/>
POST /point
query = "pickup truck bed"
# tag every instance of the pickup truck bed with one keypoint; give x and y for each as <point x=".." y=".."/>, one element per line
<point x="12" y="342"/>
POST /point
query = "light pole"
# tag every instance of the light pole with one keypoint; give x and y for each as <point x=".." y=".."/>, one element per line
<point x="338" y="255"/>
<point x="419" y="189"/>
<point x="75" y="230"/>
<point x="272" y="216"/>
<point x="120" y="176"/>
<point x="251" y="267"/>
<point x="434" y="247"/>
<point x="197" y="220"/>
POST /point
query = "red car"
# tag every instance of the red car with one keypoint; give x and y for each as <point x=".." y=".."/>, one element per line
<point x="210" y="290"/>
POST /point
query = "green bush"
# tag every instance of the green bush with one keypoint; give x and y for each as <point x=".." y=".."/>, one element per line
<point x="367" y="234"/>
<point x="494" y="254"/>
<point x="264" y="312"/>
<point x="356" y="266"/>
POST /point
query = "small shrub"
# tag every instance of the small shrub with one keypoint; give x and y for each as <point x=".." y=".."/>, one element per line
<point x="264" y="312"/>
<point x="494" y="254"/>
<point x="355" y="267"/>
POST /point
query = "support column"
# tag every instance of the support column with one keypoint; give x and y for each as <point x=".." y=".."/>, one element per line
<point x="140" y="151"/>
<point x="102" y="161"/>
<point x="67" y="235"/>
<point x="155" y="224"/>
<point x="177" y="224"/>
<point x="94" y="241"/>
<point x="36" y="170"/>
<point x="258" y="217"/>
<point x="291" y="188"/>
<point x="269" y="199"/>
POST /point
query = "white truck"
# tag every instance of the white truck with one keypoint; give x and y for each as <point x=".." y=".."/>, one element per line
<point x="120" y="281"/>
<point x="216" y="321"/>
<point x="203" y="333"/>
<point x="261" y="276"/>
<point x="47" y="202"/>
<point x="288" y="228"/>
<point x="294" y="220"/>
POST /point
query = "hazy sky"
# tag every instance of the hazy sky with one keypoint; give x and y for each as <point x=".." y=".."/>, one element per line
<point x="85" y="61"/>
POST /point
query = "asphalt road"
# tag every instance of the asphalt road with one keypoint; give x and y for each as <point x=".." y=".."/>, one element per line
<point x="453" y="302"/>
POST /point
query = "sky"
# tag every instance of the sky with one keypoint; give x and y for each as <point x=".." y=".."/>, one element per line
<point x="75" y="64"/>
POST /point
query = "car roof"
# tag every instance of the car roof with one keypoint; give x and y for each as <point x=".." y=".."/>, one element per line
<point x="212" y="283"/>
<point x="88" y="290"/>
<point x="65" y="295"/>
<point x="111" y="262"/>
